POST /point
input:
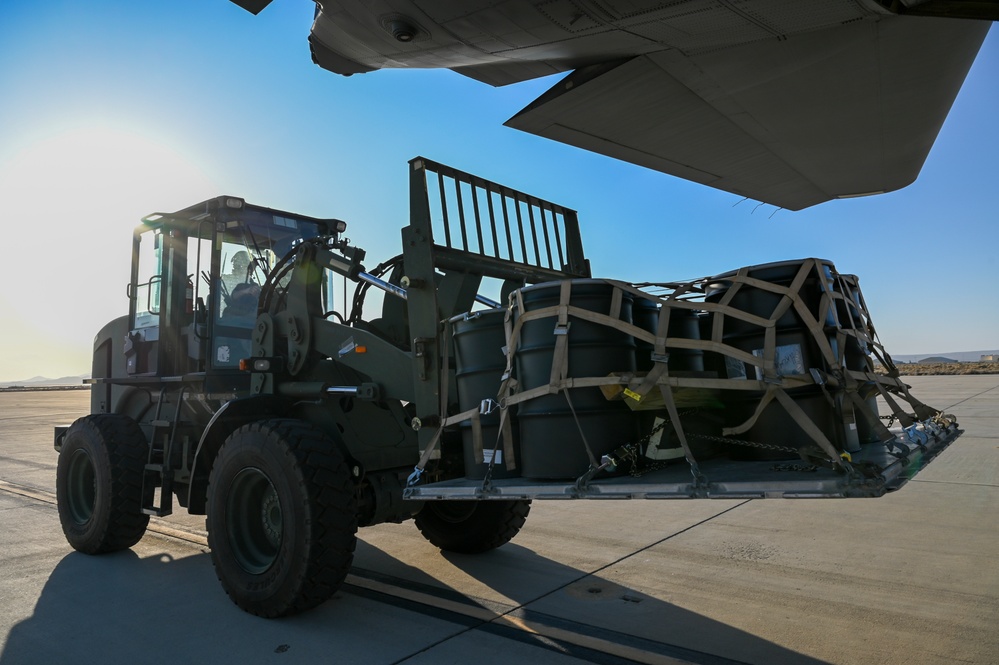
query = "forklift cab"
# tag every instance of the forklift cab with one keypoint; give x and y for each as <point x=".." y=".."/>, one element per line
<point x="195" y="286"/>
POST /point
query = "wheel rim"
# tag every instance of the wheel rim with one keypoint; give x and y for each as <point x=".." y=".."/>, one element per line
<point x="81" y="487"/>
<point x="254" y="522"/>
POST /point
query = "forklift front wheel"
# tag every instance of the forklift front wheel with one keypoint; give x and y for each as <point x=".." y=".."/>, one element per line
<point x="281" y="517"/>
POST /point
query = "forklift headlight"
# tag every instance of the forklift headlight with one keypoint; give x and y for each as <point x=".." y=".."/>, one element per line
<point x="233" y="202"/>
<point x="255" y="364"/>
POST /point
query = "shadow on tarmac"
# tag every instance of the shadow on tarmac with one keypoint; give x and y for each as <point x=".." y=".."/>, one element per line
<point x="159" y="609"/>
<point x="582" y="602"/>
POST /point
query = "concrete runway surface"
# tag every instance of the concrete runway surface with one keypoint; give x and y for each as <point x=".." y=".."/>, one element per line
<point x="908" y="578"/>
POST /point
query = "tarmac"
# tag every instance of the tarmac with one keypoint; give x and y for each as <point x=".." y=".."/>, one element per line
<point x="908" y="578"/>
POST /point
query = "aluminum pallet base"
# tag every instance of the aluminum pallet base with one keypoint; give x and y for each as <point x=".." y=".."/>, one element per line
<point x="877" y="469"/>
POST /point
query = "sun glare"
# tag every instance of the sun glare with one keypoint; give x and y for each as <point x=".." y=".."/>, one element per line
<point x="99" y="170"/>
<point x="72" y="200"/>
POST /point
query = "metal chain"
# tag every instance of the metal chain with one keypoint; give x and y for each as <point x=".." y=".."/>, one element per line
<point x="892" y="418"/>
<point x="794" y="467"/>
<point x="750" y="444"/>
<point x="642" y="444"/>
<point x="633" y="452"/>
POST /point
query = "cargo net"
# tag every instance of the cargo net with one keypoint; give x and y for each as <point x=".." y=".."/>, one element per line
<point x="772" y="362"/>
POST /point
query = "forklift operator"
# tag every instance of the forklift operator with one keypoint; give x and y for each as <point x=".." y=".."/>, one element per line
<point x="240" y="271"/>
<point x="241" y="274"/>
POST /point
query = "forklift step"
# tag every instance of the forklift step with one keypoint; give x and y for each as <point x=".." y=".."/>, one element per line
<point x="153" y="477"/>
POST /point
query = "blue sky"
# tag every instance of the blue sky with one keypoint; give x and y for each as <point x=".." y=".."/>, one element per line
<point x="112" y="110"/>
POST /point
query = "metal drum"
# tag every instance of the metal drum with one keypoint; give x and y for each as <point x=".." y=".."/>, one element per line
<point x="776" y="427"/>
<point x="762" y="302"/>
<point x="552" y="444"/>
<point x="849" y="312"/>
<point x="479" y="365"/>
<point x="796" y="350"/>
<point x="683" y="324"/>
<point x="796" y="353"/>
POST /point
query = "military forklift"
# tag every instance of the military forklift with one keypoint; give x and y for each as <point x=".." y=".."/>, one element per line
<point x="238" y="388"/>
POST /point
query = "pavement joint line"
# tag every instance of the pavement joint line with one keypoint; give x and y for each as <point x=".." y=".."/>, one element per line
<point x="953" y="482"/>
<point x="29" y="492"/>
<point x="514" y="619"/>
<point x="156" y="526"/>
<point x="524" y="625"/>
<point x="485" y="615"/>
<point x="987" y="390"/>
<point x="504" y="617"/>
<point x="45" y="496"/>
<point x="639" y="551"/>
<point x="509" y="618"/>
<point x="40" y="466"/>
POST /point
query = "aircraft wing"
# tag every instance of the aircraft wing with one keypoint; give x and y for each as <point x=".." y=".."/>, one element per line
<point x="786" y="102"/>
<point x="843" y="112"/>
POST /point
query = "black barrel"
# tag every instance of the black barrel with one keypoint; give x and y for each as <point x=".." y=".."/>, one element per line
<point x="683" y="324"/>
<point x="645" y="315"/>
<point x="480" y="361"/>
<point x="796" y="353"/>
<point x="776" y="427"/>
<point x="849" y="312"/>
<point x="848" y="308"/>
<point x="762" y="302"/>
<point x="551" y="441"/>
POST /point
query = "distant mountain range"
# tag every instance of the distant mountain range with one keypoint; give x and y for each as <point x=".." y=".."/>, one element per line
<point x="41" y="381"/>
<point x="954" y="356"/>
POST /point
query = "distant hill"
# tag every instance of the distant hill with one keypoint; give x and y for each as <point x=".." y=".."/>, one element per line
<point x="42" y="381"/>
<point x="955" y="356"/>
<point x="937" y="359"/>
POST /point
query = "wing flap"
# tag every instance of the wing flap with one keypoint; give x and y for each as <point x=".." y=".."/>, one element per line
<point x="834" y="113"/>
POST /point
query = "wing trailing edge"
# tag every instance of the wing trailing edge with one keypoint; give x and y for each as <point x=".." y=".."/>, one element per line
<point x="832" y="114"/>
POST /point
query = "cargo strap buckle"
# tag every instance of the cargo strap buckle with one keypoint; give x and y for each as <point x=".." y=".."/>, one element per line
<point x="488" y="405"/>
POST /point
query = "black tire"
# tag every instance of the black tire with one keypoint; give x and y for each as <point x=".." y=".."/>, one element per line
<point x="471" y="527"/>
<point x="282" y="520"/>
<point x="99" y="483"/>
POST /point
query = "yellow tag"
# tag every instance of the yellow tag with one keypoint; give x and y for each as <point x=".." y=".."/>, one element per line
<point x="846" y="456"/>
<point x="632" y="394"/>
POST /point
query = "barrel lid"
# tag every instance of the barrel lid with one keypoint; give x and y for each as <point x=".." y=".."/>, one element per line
<point x="541" y="286"/>
<point x="716" y="282"/>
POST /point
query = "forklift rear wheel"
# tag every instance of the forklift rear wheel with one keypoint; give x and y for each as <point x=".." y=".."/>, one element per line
<point x="281" y="517"/>
<point x="99" y="483"/>
<point x="470" y="527"/>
